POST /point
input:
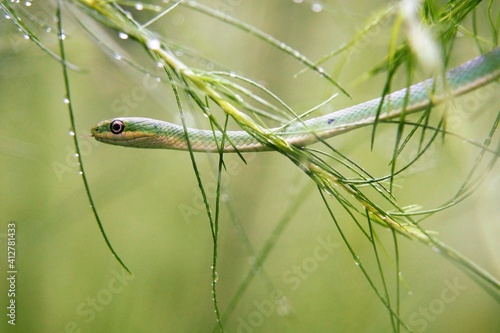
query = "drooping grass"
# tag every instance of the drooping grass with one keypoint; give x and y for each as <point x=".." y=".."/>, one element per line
<point x="340" y="180"/>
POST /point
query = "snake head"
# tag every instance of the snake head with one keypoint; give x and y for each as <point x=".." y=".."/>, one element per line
<point x="128" y="132"/>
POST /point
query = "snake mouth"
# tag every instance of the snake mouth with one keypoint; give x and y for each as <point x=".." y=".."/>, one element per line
<point x="94" y="132"/>
<point x="98" y="131"/>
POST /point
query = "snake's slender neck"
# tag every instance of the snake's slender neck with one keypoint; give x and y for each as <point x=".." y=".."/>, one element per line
<point x="150" y="133"/>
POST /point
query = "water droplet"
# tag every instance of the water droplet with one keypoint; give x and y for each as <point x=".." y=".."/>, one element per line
<point x="118" y="56"/>
<point x="80" y="172"/>
<point x="128" y="15"/>
<point x="232" y="74"/>
<point x="26" y="36"/>
<point x="139" y="6"/>
<point x="179" y="53"/>
<point x="76" y="155"/>
<point x="71" y="133"/>
<point x="62" y="36"/>
<point x="159" y="64"/>
<point x="66" y="101"/>
<point x="357" y="261"/>
<point x="317" y="7"/>
<point x="216" y="277"/>
<point x="122" y="35"/>
<point x="48" y="29"/>
<point x="153" y="44"/>
<point x="27" y="4"/>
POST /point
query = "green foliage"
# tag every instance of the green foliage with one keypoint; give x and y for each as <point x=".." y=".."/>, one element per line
<point x="347" y="189"/>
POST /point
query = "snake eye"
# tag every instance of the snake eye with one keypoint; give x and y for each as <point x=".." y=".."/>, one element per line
<point x="116" y="126"/>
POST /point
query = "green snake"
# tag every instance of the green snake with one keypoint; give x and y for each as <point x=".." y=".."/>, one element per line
<point x="151" y="133"/>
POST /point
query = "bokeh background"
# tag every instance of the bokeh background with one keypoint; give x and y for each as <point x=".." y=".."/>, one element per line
<point x="149" y="201"/>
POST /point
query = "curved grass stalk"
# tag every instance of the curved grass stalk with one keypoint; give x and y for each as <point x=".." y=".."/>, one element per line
<point x="264" y="252"/>
<point x="75" y="137"/>
<point x="385" y="301"/>
<point x="375" y="21"/>
<point x="12" y="15"/>
<point x="214" y="221"/>
<point x="266" y="38"/>
<point x="203" y="86"/>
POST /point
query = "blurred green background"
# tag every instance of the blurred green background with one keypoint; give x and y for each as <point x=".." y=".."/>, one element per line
<point x="149" y="202"/>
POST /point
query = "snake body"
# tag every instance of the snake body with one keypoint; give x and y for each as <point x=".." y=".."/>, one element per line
<point x="151" y="133"/>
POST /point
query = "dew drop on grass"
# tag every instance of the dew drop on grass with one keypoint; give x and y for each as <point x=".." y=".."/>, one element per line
<point x="71" y="133"/>
<point x="321" y="71"/>
<point x="317" y="7"/>
<point x="118" y="57"/>
<point x="357" y="261"/>
<point x="122" y="35"/>
<point x="128" y="15"/>
<point x="139" y="6"/>
<point x="26" y="36"/>
<point x="66" y="101"/>
<point x="153" y="44"/>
